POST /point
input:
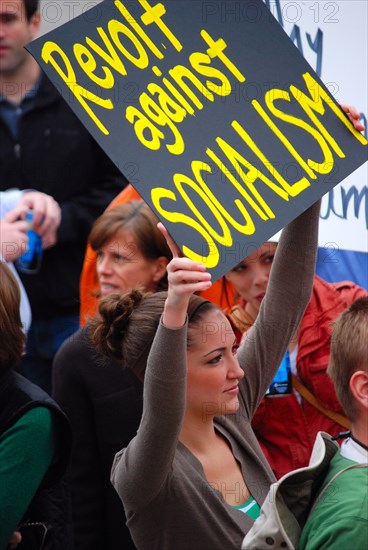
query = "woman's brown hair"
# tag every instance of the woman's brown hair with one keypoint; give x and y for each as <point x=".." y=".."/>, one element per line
<point x="11" y="333"/>
<point x="127" y="324"/>
<point x="138" y="218"/>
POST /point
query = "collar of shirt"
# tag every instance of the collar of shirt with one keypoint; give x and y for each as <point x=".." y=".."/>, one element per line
<point x="30" y="94"/>
<point x="11" y="113"/>
<point x="353" y="451"/>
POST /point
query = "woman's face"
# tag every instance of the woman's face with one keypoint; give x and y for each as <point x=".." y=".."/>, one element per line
<point x="250" y="277"/>
<point x="121" y="266"/>
<point x="213" y="369"/>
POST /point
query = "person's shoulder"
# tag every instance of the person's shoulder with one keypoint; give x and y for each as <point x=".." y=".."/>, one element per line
<point x="340" y="515"/>
<point x="346" y="291"/>
<point x="38" y="415"/>
<point x="72" y="353"/>
<point x="345" y="487"/>
<point x="78" y="362"/>
<point x="36" y="422"/>
<point x="76" y="343"/>
<point x="332" y="298"/>
<point x="339" y="462"/>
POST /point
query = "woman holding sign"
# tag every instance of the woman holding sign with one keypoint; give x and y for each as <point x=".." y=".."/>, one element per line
<point x="194" y="476"/>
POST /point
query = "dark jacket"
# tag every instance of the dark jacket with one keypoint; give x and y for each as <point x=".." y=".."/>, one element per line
<point x="57" y="155"/>
<point x="51" y="503"/>
<point x="103" y="402"/>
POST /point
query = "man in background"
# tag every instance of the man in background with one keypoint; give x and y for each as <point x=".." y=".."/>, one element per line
<point x="44" y="147"/>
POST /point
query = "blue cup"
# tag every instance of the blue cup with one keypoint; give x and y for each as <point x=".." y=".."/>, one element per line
<point x="30" y="261"/>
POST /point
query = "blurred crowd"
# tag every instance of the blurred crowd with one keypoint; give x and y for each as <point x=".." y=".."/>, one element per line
<point x="126" y="420"/>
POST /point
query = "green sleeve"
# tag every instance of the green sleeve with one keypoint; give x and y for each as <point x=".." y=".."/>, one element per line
<point x="349" y="532"/>
<point x="26" y="452"/>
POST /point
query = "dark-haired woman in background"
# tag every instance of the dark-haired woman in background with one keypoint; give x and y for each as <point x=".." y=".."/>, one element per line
<point x="102" y="400"/>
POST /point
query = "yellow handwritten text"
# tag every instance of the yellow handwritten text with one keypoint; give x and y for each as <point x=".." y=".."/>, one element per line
<point x="247" y="181"/>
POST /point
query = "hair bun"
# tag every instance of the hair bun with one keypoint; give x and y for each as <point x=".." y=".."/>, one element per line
<point x="108" y="329"/>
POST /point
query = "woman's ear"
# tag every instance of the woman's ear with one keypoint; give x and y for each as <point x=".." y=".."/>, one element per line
<point x="160" y="268"/>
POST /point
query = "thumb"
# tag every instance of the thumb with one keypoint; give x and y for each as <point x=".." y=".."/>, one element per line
<point x="14" y="215"/>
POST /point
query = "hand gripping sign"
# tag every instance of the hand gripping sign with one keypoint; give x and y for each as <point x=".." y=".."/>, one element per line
<point x="230" y="131"/>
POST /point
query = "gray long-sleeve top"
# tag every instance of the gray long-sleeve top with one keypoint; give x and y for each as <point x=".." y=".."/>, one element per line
<point x="167" y="499"/>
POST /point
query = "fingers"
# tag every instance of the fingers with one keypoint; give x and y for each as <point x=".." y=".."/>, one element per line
<point x="354" y="116"/>
<point x="13" y="239"/>
<point x="186" y="276"/>
<point x="185" y="269"/>
<point x="35" y="201"/>
<point x="175" y="250"/>
<point x="51" y="216"/>
<point x="350" y="109"/>
<point x="12" y="218"/>
<point x="15" y="215"/>
<point x="49" y="239"/>
<point x="46" y="220"/>
<point x="46" y="211"/>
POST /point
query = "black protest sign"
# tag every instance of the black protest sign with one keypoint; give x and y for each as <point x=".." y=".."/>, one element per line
<point x="230" y="132"/>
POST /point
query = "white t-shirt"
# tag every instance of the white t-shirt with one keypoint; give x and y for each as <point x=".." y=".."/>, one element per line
<point x="352" y="450"/>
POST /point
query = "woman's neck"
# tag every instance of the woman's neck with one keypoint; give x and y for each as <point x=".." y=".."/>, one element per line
<point x="197" y="433"/>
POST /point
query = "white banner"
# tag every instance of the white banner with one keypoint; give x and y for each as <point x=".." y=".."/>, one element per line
<point x="333" y="38"/>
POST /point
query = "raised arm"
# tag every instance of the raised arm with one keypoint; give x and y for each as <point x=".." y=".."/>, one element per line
<point x="140" y="470"/>
<point x="288" y="293"/>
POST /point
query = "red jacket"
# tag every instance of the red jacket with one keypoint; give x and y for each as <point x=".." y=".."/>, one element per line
<point x="285" y="428"/>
